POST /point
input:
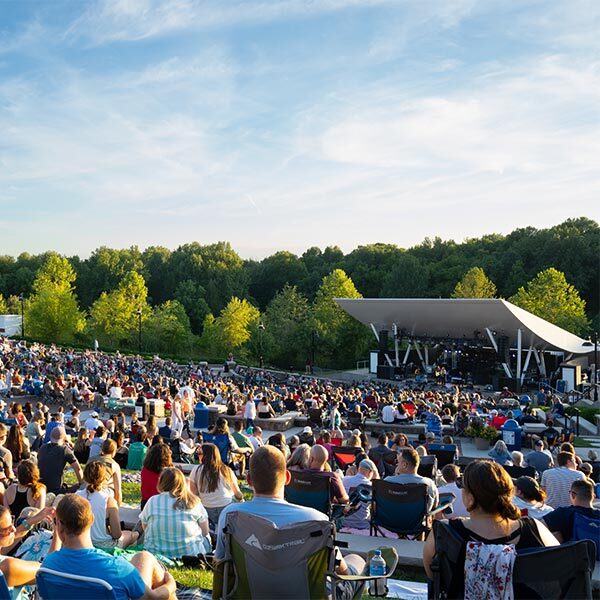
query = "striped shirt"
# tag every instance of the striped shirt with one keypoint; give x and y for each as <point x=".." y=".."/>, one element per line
<point x="173" y="532"/>
<point x="557" y="483"/>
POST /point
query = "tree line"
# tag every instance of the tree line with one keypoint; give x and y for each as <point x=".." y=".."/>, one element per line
<point x="205" y="300"/>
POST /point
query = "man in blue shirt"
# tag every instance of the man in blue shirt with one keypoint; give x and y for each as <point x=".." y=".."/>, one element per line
<point x="268" y="476"/>
<point x="142" y="578"/>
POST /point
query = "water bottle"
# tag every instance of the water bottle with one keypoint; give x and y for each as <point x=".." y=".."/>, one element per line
<point x="377" y="567"/>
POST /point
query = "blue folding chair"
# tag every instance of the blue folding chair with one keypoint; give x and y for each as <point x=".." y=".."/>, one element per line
<point x="402" y="508"/>
<point x="445" y="453"/>
<point x="55" y="585"/>
<point x="5" y="593"/>
<point x="221" y="441"/>
<point x="309" y="489"/>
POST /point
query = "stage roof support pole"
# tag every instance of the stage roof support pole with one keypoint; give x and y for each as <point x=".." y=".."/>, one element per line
<point x="375" y="332"/>
<point x="419" y="353"/>
<point x="407" y="353"/>
<point x="539" y="358"/>
<point x="507" y="370"/>
<point x="396" y="348"/>
<point x="426" y="348"/>
<point x="526" y="365"/>
<point x="492" y="339"/>
<point x="519" y="351"/>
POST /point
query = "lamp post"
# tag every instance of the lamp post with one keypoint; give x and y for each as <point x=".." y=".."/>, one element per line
<point x="261" y="328"/>
<point x="22" y="300"/>
<point x="139" y="314"/>
<point x="595" y="366"/>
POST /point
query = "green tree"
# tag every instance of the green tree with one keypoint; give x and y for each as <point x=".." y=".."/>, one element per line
<point x="273" y="273"/>
<point x="231" y="330"/>
<point x="3" y="306"/>
<point x="551" y="297"/>
<point x="475" y="284"/>
<point x="409" y="278"/>
<point x="114" y="315"/>
<point x="168" y="329"/>
<point x="286" y="338"/>
<point x="341" y="338"/>
<point x="192" y="296"/>
<point x="52" y="312"/>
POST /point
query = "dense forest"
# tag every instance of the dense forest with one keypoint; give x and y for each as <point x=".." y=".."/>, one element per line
<point x="279" y="306"/>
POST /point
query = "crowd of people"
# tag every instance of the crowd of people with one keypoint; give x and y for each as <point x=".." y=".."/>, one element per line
<point x="527" y="500"/>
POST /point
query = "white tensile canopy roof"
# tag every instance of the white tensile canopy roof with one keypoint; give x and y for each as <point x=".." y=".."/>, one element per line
<point x="463" y="318"/>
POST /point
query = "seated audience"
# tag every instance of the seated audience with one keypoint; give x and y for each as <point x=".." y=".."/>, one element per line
<point x="113" y="469"/>
<point x="175" y="522"/>
<point x="81" y="448"/>
<point x="298" y="461"/>
<point x="52" y="460"/>
<point x="27" y="491"/>
<point x="560" y="520"/>
<point x="450" y="474"/>
<point x="214" y="482"/>
<point x="157" y="458"/>
<point x="361" y="518"/>
<point x="142" y="577"/>
<point x="557" y="482"/>
<point x="18" y="572"/>
<point x="500" y="454"/>
<point x="406" y="472"/>
<point x="517" y="469"/>
<point x="317" y="464"/>
<point x="540" y="459"/>
<point x="106" y="529"/>
<point x="268" y="476"/>
<point x="487" y="493"/>
<point x="529" y="496"/>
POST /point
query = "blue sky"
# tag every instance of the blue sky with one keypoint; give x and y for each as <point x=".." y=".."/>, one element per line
<point x="283" y="124"/>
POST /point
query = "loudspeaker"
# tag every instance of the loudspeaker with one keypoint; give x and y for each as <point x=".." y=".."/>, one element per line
<point x="383" y="340"/>
<point x="385" y="372"/>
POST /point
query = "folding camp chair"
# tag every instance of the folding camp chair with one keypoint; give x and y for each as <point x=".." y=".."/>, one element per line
<point x="585" y="528"/>
<point x="344" y="456"/>
<point x="5" y="593"/>
<point x="445" y="453"/>
<point x="385" y="460"/>
<point x="56" y="585"/>
<point x="428" y="467"/>
<point x="401" y="508"/>
<point x="555" y="572"/>
<point x="315" y="417"/>
<point x="263" y="561"/>
<point x="221" y="441"/>
<point x="309" y="489"/>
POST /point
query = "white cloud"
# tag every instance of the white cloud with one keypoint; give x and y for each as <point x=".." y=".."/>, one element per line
<point x="527" y="118"/>
<point x="120" y="20"/>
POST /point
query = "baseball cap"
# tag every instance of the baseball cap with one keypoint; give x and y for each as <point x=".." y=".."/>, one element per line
<point x="94" y="414"/>
<point x="368" y="464"/>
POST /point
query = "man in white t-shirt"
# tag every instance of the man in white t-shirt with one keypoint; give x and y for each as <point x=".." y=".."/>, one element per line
<point x="389" y="413"/>
<point x="92" y="422"/>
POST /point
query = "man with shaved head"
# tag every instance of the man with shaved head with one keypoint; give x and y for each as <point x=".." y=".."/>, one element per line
<point x="316" y="464"/>
<point x="267" y="476"/>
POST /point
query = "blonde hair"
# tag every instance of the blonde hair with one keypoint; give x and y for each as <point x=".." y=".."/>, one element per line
<point x="172" y="480"/>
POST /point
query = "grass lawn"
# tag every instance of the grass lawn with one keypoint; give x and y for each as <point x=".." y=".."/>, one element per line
<point x="581" y="443"/>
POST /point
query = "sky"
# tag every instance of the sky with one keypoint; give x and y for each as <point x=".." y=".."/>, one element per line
<point x="286" y="124"/>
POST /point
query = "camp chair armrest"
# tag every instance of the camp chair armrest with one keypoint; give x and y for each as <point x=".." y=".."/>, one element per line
<point x="441" y="508"/>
